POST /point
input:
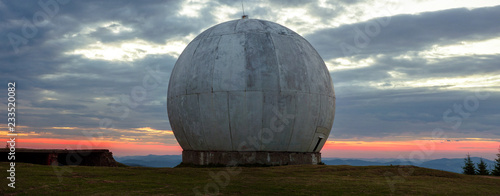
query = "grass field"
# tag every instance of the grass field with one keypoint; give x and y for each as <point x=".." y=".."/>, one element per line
<point x="284" y="180"/>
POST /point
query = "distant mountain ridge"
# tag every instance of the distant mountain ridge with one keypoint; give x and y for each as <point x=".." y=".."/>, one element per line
<point x="451" y="165"/>
<point x="151" y="160"/>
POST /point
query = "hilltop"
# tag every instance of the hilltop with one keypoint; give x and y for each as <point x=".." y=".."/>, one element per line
<point x="451" y="165"/>
<point x="288" y="180"/>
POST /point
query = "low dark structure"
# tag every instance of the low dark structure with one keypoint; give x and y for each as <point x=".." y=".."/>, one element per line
<point x="92" y="157"/>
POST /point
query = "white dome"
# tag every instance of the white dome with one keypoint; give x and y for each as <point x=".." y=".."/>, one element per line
<point x="236" y="78"/>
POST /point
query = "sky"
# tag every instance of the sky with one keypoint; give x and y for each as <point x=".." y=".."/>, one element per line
<point x="416" y="79"/>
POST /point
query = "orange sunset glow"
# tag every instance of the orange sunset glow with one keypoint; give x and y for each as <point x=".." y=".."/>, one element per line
<point x="162" y="142"/>
<point x="414" y="149"/>
<point x="117" y="147"/>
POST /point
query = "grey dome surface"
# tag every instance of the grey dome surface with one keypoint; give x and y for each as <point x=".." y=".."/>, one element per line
<point x="240" y="79"/>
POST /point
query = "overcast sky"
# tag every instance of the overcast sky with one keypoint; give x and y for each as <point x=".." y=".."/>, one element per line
<point x="99" y="70"/>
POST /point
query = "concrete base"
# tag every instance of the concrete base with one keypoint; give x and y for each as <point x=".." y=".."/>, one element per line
<point x="246" y="158"/>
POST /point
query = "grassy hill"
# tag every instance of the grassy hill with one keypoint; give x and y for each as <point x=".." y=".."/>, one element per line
<point x="285" y="180"/>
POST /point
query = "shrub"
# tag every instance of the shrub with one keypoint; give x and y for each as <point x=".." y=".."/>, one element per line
<point x="469" y="167"/>
<point x="496" y="169"/>
<point x="481" y="168"/>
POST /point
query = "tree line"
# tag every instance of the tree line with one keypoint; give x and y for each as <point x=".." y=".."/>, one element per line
<point x="482" y="168"/>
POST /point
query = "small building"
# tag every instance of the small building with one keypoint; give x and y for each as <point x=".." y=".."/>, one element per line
<point x="91" y="157"/>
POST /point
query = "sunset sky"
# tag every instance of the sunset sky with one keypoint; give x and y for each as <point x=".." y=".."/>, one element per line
<point x="413" y="79"/>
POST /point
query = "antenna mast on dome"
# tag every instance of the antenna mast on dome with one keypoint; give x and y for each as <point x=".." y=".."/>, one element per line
<point x="243" y="8"/>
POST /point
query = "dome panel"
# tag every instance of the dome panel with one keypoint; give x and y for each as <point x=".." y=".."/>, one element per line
<point x="246" y="115"/>
<point x="176" y="124"/>
<point x="214" y="117"/>
<point x="199" y="79"/>
<point x="303" y="130"/>
<point x="178" y="78"/>
<point x="262" y="70"/>
<point x="318" y="69"/>
<point x="191" y="121"/>
<point x="224" y="28"/>
<point x="205" y="33"/>
<point x="279" y="119"/>
<point x="229" y="69"/>
<point x="274" y="28"/>
<point x="292" y="68"/>
<point x="249" y="26"/>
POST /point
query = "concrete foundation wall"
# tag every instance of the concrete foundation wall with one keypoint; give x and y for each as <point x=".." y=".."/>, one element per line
<point x="245" y="157"/>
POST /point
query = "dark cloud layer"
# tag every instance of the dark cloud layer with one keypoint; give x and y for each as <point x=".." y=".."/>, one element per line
<point x="402" y="33"/>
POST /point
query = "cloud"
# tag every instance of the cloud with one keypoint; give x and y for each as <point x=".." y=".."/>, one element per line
<point x="403" y="33"/>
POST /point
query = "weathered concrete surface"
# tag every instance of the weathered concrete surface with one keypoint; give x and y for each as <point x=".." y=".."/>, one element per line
<point x="93" y="157"/>
<point x="246" y="157"/>
<point x="235" y="79"/>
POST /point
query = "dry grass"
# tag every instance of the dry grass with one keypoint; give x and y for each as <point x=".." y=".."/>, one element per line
<point x="284" y="180"/>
